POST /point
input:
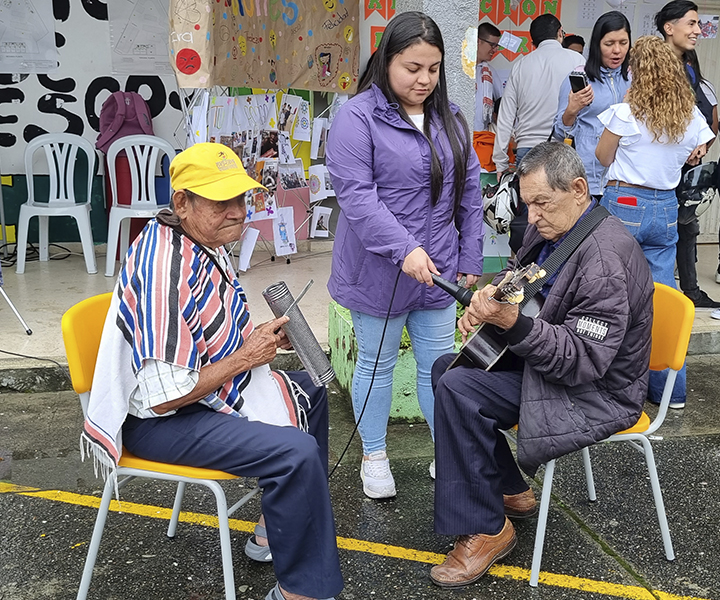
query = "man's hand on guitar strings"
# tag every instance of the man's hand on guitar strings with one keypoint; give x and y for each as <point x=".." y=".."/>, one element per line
<point x="483" y="309"/>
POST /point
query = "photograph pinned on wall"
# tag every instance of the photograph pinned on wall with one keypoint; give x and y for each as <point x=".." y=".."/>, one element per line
<point x="261" y="204"/>
<point x="269" y="143"/>
<point x="284" y="231"/>
<point x="317" y="142"/>
<point x="320" y="225"/>
<point x="247" y="248"/>
<point x="285" y="149"/>
<point x="316" y="182"/>
<point x="292" y="176"/>
<point x="302" y="130"/>
<point x="288" y="111"/>
<point x="239" y="140"/>
<point x="252" y="147"/>
<point x="329" y="189"/>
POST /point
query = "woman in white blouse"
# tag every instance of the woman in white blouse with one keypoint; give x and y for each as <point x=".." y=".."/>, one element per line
<point x="646" y="141"/>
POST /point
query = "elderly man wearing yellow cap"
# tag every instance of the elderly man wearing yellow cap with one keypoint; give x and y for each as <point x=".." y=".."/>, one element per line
<point x="183" y="376"/>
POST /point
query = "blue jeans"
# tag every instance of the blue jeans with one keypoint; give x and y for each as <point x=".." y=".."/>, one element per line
<point x="432" y="333"/>
<point x="653" y="223"/>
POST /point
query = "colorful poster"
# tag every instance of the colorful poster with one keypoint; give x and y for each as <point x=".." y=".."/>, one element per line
<point x="284" y="231"/>
<point x="305" y="44"/>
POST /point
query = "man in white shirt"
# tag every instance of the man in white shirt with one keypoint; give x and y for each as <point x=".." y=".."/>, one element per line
<point x="488" y="87"/>
<point x="530" y="99"/>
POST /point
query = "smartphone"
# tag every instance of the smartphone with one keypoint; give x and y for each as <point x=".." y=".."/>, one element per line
<point x="578" y="81"/>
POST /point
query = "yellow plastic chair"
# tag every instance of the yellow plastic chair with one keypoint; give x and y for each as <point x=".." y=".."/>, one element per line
<point x="672" y="324"/>
<point x="82" y="327"/>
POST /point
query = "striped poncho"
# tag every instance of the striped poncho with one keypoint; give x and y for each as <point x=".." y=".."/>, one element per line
<point x="175" y="303"/>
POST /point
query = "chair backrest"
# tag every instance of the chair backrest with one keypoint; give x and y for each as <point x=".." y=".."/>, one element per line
<point x="145" y="154"/>
<point x="673" y="316"/>
<point x="82" y="327"/>
<point x="61" y="151"/>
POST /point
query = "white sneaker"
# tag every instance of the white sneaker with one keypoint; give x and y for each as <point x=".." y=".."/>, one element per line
<point x="717" y="276"/>
<point x="432" y="469"/>
<point x="375" y="473"/>
<point x="716" y="313"/>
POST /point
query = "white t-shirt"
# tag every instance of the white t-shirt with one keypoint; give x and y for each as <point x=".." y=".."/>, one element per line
<point x="418" y="120"/>
<point x="640" y="160"/>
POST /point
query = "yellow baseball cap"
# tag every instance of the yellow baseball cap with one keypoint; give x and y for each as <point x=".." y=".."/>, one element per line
<point x="212" y="171"/>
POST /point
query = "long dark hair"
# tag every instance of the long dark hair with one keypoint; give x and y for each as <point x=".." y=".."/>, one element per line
<point x="607" y="23"/>
<point x="403" y="31"/>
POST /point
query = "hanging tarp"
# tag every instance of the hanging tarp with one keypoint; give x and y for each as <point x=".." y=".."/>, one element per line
<point x="304" y="44"/>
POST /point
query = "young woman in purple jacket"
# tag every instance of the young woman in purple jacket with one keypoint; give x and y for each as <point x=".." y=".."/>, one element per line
<point x="408" y="185"/>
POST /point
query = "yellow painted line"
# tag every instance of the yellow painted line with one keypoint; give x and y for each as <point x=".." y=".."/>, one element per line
<point x="505" y="571"/>
<point x="6" y="180"/>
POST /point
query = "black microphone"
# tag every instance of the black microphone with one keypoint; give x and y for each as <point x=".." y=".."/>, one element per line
<point x="461" y="294"/>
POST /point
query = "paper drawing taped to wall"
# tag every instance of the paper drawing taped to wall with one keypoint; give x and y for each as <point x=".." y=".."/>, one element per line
<point x="305" y="44"/>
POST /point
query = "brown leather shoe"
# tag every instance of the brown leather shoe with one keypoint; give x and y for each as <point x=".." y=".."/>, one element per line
<point x="520" y="506"/>
<point x="472" y="556"/>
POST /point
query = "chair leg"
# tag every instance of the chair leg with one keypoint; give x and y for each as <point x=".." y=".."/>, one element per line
<point x="224" y="528"/>
<point x="657" y="494"/>
<point x="22" y="235"/>
<point x="172" y="527"/>
<point x="589" y="474"/>
<point x="542" y="523"/>
<point x="95" y="540"/>
<point x="124" y="237"/>
<point x="113" y="233"/>
<point x="15" y="310"/>
<point x="44" y="237"/>
<point x="85" y="230"/>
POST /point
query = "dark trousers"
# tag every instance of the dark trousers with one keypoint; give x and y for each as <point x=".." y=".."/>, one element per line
<point x="474" y="464"/>
<point x="291" y="467"/>
<point x="686" y="256"/>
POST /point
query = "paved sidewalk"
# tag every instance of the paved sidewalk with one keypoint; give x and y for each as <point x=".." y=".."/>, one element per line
<point x="607" y="549"/>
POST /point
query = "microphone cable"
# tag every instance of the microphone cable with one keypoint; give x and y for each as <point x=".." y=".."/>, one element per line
<point x="372" y="379"/>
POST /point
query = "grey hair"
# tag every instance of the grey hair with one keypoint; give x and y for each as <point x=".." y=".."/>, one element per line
<point x="561" y="163"/>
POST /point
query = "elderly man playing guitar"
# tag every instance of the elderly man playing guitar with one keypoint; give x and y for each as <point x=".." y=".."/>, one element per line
<point x="574" y="373"/>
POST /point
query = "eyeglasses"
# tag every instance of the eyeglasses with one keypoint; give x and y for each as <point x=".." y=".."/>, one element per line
<point x="492" y="45"/>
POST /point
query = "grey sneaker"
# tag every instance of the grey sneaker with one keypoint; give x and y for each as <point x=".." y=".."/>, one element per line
<point x="375" y="473"/>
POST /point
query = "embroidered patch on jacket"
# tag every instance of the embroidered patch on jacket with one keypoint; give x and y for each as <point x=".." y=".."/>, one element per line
<point x="595" y="329"/>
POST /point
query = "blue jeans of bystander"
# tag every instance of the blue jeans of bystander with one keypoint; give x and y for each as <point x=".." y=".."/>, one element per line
<point x="432" y="333"/>
<point x="653" y="223"/>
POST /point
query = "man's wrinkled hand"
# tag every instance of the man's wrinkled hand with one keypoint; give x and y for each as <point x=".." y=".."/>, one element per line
<point x="261" y="345"/>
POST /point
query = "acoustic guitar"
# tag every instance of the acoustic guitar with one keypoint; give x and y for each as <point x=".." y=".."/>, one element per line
<point x="486" y="348"/>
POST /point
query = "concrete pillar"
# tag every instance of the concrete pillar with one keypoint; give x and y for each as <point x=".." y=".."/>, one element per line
<point x="458" y="20"/>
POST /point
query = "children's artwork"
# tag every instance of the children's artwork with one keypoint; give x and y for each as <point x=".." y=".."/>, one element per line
<point x="258" y="111"/>
<point x="708" y="26"/>
<point x="314" y="46"/>
<point x="301" y="133"/>
<point x="261" y="204"/>
<point x="246" y="249"/>
<point x="320" y="226"/>
<point x="220" y="117"/>
<point x="292" y="176"/>
<point x="198" y="119"/>
<point x="284" y="231"/>
<point x="269" y="143"/>
<point x="316" y="182"/>
<point x="319" y="133"/>
<point x="337" y="102"/>
<point x="288" y="111"/>
<point x="285" y="149"/>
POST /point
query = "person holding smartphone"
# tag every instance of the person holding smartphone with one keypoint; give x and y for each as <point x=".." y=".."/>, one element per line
<point x="585" y="94"/>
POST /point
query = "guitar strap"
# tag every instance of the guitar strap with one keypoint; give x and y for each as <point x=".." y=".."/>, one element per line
<point x="565" y="249"/>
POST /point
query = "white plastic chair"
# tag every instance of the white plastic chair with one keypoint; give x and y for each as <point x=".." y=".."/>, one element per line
<point x="82" y="327"/>
<point x="145" y="154"/>
<point x="672" y="324"/>
<point x="61" y="150"/>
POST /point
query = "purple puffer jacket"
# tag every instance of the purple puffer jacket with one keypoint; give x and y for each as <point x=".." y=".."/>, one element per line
<point x="380" y="169"/>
